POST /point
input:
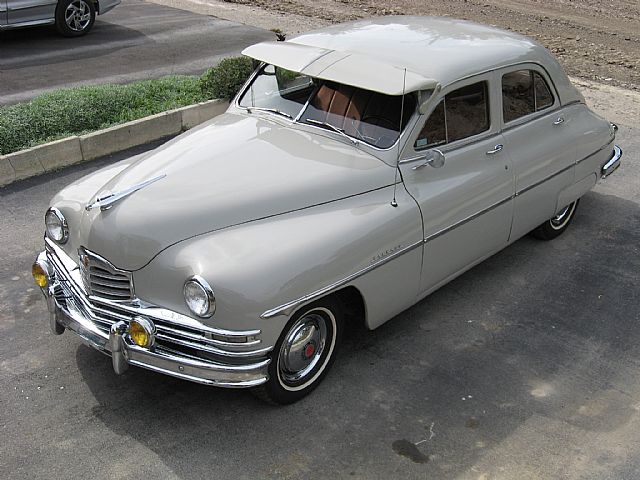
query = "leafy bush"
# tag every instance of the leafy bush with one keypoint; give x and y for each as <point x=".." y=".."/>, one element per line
<point x="225" y="79"/>
<point x="80" y="110"/>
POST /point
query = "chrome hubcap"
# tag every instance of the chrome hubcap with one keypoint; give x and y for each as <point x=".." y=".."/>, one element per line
<point x="302" y="349"/>
<point x="77" y="15"/>
<point x="563" y="216"/>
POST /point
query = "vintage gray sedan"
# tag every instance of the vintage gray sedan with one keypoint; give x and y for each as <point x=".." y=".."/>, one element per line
<point x="360" y="168"/>
<point x="72" y="18"/>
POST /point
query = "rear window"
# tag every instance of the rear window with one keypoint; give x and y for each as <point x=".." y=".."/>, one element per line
<point x="524" y="92"/>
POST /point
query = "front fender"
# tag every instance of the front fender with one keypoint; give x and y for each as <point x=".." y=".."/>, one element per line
<point x="264" y="264"/>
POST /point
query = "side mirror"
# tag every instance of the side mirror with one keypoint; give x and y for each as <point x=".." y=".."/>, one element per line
<point x="434" y="158"/>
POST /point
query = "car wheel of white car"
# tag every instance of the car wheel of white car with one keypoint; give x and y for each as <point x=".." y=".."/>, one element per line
<point x="558" y="224"/>
<point x="304" y="353"/>
<point x="75" y="18"/>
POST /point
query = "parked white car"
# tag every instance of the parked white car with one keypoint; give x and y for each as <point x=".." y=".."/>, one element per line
<point x="361" y="167"/>
<point x="72" y="18"/>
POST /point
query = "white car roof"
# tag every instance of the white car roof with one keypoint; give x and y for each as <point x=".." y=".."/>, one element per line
<point x="374" y="53"/>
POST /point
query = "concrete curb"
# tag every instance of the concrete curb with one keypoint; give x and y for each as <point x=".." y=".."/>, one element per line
<point x="68" y="151"/>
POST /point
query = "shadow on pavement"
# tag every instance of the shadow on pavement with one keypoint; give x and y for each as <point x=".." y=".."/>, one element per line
<point x="541" y="332"/>
<point x="44" y="46"/>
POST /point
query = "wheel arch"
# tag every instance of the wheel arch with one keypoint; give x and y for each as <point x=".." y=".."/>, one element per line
<point x="355" y="308"/>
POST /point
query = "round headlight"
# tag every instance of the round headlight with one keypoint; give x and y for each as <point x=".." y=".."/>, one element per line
<point x="56" y="225"/>
<point x="199" y="296"/>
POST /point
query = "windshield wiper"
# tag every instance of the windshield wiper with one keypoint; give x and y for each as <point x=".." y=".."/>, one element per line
<point x="332" y="127"/>
<point x="272" y="110"/>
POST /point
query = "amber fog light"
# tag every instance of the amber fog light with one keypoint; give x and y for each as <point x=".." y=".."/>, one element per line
<point x="142" y="332"/>
<point x="39" y="275"/>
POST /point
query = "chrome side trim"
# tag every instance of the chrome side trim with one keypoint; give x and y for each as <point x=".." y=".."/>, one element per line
<point x="608" y="144"/>
<point x="32" y="23"/>
<point x="613" y="163"/>
<point x="467" y="219"/>
<point x="287" y="308"/>
<point x="545" y="179"/>
<point x="549" y="177"/>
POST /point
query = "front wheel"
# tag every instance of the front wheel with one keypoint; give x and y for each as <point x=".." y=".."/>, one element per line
<point x="558" y="224"/>
<point x="304" y="353"/>
<point x="75" y="18"/>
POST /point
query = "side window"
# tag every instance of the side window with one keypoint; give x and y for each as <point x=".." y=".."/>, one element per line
<point x="524" y="92"/>
<point x="542" y="92"/>
<point x="460" y="114"/>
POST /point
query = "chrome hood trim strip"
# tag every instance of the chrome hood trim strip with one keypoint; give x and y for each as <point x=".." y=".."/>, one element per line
<point x="107" y="201"/>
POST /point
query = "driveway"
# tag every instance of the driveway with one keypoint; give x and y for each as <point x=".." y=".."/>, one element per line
<point x="525" y="367"/>
<point x="135" y="41"/>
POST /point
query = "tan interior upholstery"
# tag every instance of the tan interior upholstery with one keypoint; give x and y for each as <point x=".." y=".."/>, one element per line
<point x="372" y="114"/>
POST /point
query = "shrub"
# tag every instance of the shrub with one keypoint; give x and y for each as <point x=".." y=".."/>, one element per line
<point x="225" y="79"/>
<point x="75" y="111"/>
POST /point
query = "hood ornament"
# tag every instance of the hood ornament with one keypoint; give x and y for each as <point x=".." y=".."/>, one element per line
<point x="106" y="202"/>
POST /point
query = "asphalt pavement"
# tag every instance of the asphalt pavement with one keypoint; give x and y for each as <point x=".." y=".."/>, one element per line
<point x="134" y="41"/>
<point x="525" y="367"/>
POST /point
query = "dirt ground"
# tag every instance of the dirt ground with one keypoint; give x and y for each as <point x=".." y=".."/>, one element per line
<point x="597" y="41"/>
<point x="594" y="39"/>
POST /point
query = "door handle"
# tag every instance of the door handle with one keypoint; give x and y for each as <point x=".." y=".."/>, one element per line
<point x="496" y="149"/>
<point x="559" y="121"/>
<point x="436" y="160"/>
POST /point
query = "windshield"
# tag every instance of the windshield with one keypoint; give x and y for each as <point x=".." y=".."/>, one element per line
<point x="275" y="88"/>
<point x="370" y="117"/>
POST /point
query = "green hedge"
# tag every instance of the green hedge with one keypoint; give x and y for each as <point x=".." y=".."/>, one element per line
<point x="225" y="80"/>
<point x="76" y="111"/>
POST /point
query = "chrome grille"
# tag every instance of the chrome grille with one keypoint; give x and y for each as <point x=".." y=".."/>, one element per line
<point x="190" y="341"/>
<point x="103" y="279"/>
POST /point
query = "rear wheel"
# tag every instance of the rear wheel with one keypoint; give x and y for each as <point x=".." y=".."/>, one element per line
<point x="75" y="18"/>
<point x="557" y="225"/>
<point x="304" y="353"/>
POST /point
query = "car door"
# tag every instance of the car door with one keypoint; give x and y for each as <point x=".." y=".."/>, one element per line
<point x="538" y="138"/>
<point x="26" y="11"/>
<point x="466" y="203"/>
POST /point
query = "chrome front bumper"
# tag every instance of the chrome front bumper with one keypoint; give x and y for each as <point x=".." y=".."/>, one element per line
<point x="244" y="370"/>
<point x="613" y="163"/>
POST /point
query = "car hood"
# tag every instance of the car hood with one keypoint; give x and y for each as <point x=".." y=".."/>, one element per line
<point x="233" y="170"/>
